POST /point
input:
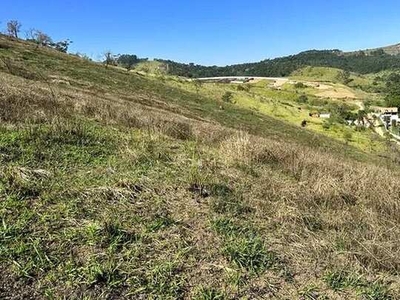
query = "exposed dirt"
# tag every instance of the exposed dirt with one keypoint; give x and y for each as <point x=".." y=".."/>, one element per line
<point x="329" y="91"/>
<point x="337" y="93"/>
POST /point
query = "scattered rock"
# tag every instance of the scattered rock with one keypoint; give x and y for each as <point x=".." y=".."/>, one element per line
<point x="60" y="81"/>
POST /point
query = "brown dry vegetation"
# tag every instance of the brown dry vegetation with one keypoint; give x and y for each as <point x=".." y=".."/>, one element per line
<point x="125" y="195"/>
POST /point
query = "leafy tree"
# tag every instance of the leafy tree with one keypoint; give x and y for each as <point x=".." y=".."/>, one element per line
<point x="127" y="61"/>
<point x="344" y="77"/>
<point x="341" y="112"/>
<point x="361" y="115"/>
<point x="13" y="28"/>
<point x="61" y="46"/>
<point x="393" y="90"/>
<point x="302" y="99"/>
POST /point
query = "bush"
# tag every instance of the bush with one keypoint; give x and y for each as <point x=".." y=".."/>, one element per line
<point x="300" y="85"/>
<point x="302" y="99"/>
<point x="326" y="125"/>
<point x="227" y="97"/>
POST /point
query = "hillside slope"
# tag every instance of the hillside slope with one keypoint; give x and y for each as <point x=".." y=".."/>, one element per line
<point x="390" y="50"/>
<point x="117" y="185"/>
<point x="363" y="62"/>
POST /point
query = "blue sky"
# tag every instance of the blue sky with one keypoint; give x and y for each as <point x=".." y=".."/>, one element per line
<point x="210" y="32"/>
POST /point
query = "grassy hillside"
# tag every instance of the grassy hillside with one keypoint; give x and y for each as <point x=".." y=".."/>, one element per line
<point x="282" y="103"/>
<point x="116" y="185"/>
<point x="317" y="74"/>
<point x="151" y="67"/>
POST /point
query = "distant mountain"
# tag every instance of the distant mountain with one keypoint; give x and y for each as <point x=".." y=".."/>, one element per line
<point x="363" y="62"/>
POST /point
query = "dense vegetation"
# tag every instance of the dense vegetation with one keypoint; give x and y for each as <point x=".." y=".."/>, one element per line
<point x="393" y="90"/>
<point x="359" y="62"/>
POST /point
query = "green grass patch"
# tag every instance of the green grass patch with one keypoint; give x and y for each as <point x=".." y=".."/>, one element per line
<point x="342" y="280"/>
<point x="209" y="293"/>
<point x="65" y="143"/>
<point x="249" y="253"/>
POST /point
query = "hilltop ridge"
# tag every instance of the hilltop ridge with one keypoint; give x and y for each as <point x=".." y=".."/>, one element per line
<point x="363" y="62"/>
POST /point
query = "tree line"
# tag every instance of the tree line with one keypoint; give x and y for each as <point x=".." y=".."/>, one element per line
<point x="359" y="62"/>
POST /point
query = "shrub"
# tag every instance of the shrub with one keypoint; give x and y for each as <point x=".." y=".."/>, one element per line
<point x="302" y="99"/>
<point x="227" y="97"/>
<point x="300" y="85"/>
<point x="326" y="125"/>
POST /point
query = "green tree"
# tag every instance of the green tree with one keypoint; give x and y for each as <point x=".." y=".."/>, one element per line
<point x="344" y="77"/>
<point x="361" y="115"/>
<point x="393" y="90"/>
<point x="61" y="46"/>
<point x="127" y="60"/>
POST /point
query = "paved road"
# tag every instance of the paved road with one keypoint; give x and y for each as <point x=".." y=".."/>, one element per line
<point x="243" y="77"/>
<point x="278" y="81"/>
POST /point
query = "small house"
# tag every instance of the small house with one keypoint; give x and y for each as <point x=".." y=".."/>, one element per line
<point x="325" y="116"/>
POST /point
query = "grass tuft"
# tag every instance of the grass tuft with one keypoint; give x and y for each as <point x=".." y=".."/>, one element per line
<point x="249" y="254"/>
<point x="207" y="293"/>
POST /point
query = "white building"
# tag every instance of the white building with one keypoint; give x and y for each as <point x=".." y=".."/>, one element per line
<point x="325" y="116"/>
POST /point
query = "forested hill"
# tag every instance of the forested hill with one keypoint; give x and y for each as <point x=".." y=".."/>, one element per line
<point x="361" y="62"/>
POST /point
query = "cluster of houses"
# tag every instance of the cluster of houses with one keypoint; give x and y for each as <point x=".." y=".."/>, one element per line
<point x="388" y="115"/>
